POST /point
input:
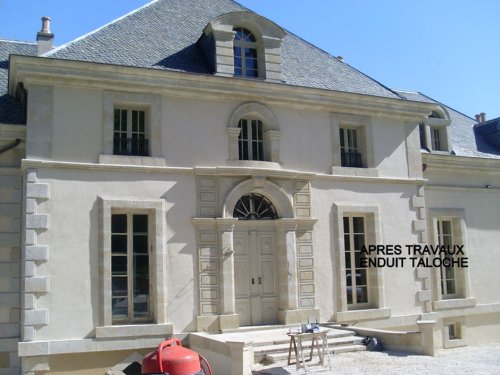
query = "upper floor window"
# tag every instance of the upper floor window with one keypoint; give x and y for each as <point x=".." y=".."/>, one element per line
<point x="245" y="53"/>
<point x="350" y="155"/>
<point x="129" y="132"/>
<point x="251" y="140"/>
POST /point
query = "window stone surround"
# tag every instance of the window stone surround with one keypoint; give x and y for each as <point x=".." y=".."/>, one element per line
<point x="158" y="261"/>
<point x="272" y="134"/>
<point x="462" y="298"/>
<point x="363" y="125"/>
<point x="152" y="104"/>
<point x="375" y="307"/>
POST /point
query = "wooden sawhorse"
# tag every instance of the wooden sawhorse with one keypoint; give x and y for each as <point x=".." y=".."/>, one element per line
<point x="298" y="338"/>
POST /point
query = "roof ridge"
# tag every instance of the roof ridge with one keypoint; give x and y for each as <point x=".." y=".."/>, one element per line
<point x="71" y="42"/>
<point x="406" y="91"/>
<point x="17" y="41"/>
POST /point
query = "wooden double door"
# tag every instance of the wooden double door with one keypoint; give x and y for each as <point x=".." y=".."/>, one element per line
<point x="255" y="274"/>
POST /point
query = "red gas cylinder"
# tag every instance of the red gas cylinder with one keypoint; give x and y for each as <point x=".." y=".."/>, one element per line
<point x="174" y="360"/>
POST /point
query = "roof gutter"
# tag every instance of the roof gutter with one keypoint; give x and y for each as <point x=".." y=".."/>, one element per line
<point x="11" y="146"/>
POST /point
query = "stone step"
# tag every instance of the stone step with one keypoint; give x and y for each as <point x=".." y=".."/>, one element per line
<point x="283" y="356"/>
<point x="333" y="342"/>
<point x="284" y="339"/>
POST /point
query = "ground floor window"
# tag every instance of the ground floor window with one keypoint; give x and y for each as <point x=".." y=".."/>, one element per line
<point x="355" y="276"/>
<point x="130" y="274"/>
<point x="447" y="273"/>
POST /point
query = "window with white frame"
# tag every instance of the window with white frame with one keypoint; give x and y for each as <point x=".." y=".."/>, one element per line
<point x="451" y="278"/>
<point x="251" y="140"/>
<point x="356" y="277"/>
<point x="245" y="53"/>
<point x="130" y="269"/>
<point x="129" y="132"/>
<point x="436" y="139"/>
<point x="350" y="153"/>
<point x="447" y="273"/>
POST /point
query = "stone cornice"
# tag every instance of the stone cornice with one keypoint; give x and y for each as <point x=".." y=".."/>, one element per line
<point x="48" y="71"/>
<point x="461" y="163"/>
<point x="217" y="171"/>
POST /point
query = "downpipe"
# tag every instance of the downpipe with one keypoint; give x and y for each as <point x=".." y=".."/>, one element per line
<point x="11" y="146"/>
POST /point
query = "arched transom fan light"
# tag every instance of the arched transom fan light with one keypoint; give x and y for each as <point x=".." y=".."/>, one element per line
<point x="254" y="207"/>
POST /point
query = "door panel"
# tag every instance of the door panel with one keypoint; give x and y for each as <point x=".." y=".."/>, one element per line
<point x="268" y="282"/>
<point x="255" y="277"/>
<point x="269" y="310"/>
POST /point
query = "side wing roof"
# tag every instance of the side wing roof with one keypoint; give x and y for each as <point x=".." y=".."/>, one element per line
<point x="11" y="111"/>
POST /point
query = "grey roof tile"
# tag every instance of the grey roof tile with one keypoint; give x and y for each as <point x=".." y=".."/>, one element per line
<point x="164" y="35"/>
<point x="11" y="111"/>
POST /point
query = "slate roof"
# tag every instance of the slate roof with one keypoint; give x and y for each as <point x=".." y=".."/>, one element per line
<point x="489" y="131"/>
<point x="165" y="35"/>
<point x="11" y="111"/>
<point x="464" y="140"/>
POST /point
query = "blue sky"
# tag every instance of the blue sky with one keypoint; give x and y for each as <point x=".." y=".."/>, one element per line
<point x="446" y="49"/>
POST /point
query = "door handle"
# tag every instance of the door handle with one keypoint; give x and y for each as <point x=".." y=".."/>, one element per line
<point x="253" y="281"/>
<point x="260" y="280"/>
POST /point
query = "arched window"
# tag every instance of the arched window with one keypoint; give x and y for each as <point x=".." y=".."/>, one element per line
<point x="254" y="207"/>
<point x="245" y="53"/>
<point x="250" y="140"/>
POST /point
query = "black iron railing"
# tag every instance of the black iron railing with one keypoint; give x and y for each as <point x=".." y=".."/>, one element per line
<point x="351" y="159"/>
<point x="130" y="146"/>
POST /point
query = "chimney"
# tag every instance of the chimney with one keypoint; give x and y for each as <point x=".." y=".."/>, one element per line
<point x="483" y="116"/>
<point x="44" y="38"/>
<point x="478" y="118"/>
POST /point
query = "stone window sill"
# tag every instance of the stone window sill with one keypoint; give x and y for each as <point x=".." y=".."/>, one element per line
<point x="347" y="171"/>
<point x="454" y="303"/>
<point x="254" y="164"/>
<point x="148" y="161"/>
<point x="137" y="330"/>
<point x="355" y="315"/>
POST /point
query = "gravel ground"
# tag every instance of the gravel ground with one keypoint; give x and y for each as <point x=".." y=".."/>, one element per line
<point x="466" y="360"/>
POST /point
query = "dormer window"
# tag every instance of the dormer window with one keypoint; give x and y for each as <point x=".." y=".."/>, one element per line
<point x="436" y="139"/>
<point x="245" y="53"/>
<point x="434" y="134"/>
<point x="243" y="44"/>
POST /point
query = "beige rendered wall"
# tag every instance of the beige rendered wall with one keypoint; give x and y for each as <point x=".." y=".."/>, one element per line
<point x="395" y="227"/>
<point x="75" y="252"/>
<point x="482" y="222"/>
<point x="66" y="124"/>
